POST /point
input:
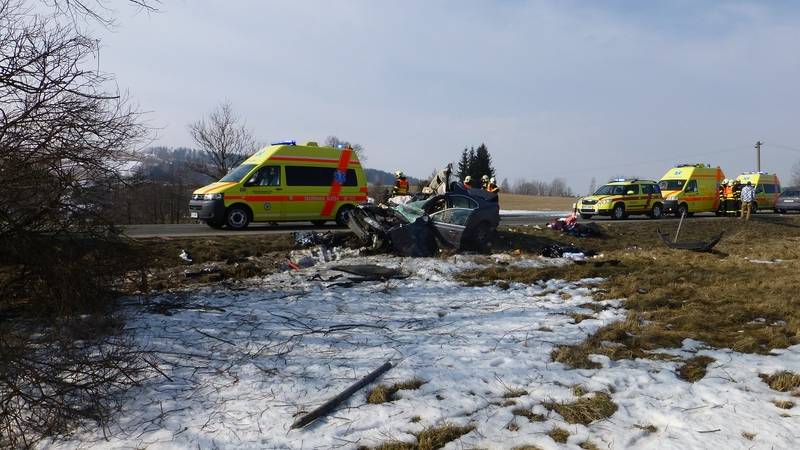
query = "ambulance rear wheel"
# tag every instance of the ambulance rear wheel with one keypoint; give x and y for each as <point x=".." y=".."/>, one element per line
<point x="657" y="211"/>
<point x="586" y="216"/>
<point x="618" y="212"/>
<point x="319" y="223"/>
<point x="237" y="218"/>
<point x="754" y="208"/>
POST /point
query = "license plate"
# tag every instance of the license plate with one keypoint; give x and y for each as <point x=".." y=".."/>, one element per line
<point x="788" y="201"/>
<point x="193" y="214"/>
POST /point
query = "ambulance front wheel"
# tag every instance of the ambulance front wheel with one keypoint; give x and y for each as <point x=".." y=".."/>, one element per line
<point x="657" y="211"/>
<point x="618" y="212"/>
<point x="238" y="218"/>
<point x="683" y="208"/>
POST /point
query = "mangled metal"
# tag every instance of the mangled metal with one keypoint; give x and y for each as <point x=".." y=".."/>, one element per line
<point x="443" y="215"/>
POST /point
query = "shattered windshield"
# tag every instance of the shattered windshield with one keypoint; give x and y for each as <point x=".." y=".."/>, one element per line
<point x="411" y="211"/>
<point x="610" y="189"/>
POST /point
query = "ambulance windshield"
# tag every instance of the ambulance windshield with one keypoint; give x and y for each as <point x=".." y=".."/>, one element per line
<point x="238" y="173"/>
<point x="671" y="185"/>
<point x="611" y="189"/>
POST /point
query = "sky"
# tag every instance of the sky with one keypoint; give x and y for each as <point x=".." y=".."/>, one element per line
<point x="572" y="89"/>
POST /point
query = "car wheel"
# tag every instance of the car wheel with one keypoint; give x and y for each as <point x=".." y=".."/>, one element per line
<point x="754" y="208"/>
<point x="586" y="216"/>
<point x="319" y="223"/>
<point x="237" y="218"/>
<point x="215" y="224"/>
<point x="656" y="212"/>
<point x="483" y="237"/>
<point x="618" y="212"/>
<point x="342" y="215"/>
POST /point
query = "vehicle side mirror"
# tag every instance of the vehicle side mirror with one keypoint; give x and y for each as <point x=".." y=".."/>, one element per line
<point x="629" y="193"/>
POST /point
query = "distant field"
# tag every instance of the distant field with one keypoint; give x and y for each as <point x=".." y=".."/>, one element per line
<point x="535" y="203"/>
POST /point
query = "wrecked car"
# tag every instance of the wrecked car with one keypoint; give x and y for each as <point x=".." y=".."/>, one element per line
<point x="450" y="217"/>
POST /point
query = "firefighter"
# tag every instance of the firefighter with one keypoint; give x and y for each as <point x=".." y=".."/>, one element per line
<point x="492" y="186"/>
<point x="730" y="204"/>
<point x="400" y="184"/>
<point x="485" y="182"/>
<point x="468" y="182"/>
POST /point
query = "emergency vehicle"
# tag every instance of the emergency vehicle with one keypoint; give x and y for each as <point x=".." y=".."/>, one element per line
<point x="768" y="188"/>
<point x="622" y="197"/>
<point x="691" y="188"/>
<point x="284" y="182"/>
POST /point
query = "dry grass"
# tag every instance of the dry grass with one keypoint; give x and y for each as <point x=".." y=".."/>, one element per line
<point x="648" y="428"/>
<point x="585" y="410"/>
<point x="430" y="438"/>
<point x="579" y="391"/>
<point x="748" y="436"/>
<point x="382" y="393"/>
<point x="588" y="445"/>
<point x="783" y="381"/>
<point x="559" y="435"/>
<point x="673" y="295"/>
<point x="579" y="317"/>
<point x="694" y="369"/>
<point x="514" y="393"/>
<point x="527" y="447"/>
<point x="783" y="404"/>
<point x="535" y="202"/>
<point x="530" y="415"/>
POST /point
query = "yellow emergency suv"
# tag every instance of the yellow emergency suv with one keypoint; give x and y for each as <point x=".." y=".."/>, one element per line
<point x="623" y="197"/>
<point x="768" y="188"/>
<point x="691" y="188"/>
<point x="284" y="182"/>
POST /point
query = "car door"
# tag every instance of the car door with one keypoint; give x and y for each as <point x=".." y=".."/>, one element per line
<point x="633" y="200"/>
<point x="450" y="224"/>
<point x="264" y="193"/>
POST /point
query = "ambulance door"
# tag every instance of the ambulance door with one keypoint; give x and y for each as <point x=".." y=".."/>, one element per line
<point x="691" y="193"/>
<point x="264" y="193"/>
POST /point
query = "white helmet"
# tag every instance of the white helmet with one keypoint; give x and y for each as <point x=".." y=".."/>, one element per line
<point x="398" y="174"/>
<point x="467" y="179"/>
<point x="485" y="178"/>
<point x="725" y="181"/>
<point x="493" y="181"/>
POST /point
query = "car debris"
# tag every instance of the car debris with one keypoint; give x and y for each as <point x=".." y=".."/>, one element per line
<point x="371" y="272"/>
<point x="443" y="215"/>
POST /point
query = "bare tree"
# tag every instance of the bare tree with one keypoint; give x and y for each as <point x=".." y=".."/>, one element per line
<point x="64" y="140"/>
<point x="592" y="185"/>
<point x="333" y="141"/>
<point x="225" y="140"/>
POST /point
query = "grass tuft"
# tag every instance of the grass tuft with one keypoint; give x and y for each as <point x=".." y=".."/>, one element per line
<point x="585" y="410"/>
<point x="694" y="369"/>
<point x="783" y="404"/>
<point x="382" y="393"/>
<point x="532" y="416"/>
<point x="527" y="447"/>
<point x="574" y="356"/>
<point x="588" y="445"/>
<point x="749" y="436"/>
<point x="514" y="393"/>
<point x="579" y="391"/>
<point x="437" y="437"/>
<point x="559" y="435"/>
<point x="782" y="381"/>
<point x="648" y="428"/>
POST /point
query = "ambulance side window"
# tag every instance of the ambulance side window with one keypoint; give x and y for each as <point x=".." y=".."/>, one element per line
<point x="769" y="188"/>
<point x="691" y="186"/>
<point x="319" y="176"/>
<point x="649" y="189"/>
<point x="759" y="189"/>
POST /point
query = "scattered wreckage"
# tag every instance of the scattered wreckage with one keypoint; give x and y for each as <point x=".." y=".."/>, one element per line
<point x="444" y="215"/>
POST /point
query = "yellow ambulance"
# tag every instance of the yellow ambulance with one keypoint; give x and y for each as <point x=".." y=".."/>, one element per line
<point x="691" y="188"/>
<point x="284" y="182"/>
<point x="768" y="188"/>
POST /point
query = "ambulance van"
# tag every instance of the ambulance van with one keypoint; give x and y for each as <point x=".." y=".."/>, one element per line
<point x="284" y="182"/>
<point x="691" y="188"/>
<point x="768" y="188"/>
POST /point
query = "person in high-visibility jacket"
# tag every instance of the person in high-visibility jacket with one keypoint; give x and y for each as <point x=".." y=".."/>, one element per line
<point x="468" y="182"/>
<point x="492" y="186"/>
<point x="485" y="182"/>
<point x="400" y="184"/>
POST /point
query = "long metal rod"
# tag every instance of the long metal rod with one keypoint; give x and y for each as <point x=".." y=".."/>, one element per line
<point x="678" y="231"/>
<point x="344" y="395"/>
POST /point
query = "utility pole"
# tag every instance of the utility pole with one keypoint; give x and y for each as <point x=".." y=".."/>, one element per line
<point x="758" y="155"/>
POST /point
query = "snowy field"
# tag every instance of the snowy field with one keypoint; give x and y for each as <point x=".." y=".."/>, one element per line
<point x="239" y="365"/>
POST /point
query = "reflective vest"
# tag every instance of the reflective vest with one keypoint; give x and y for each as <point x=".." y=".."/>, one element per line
<point x="400" y="186"/>
<point x="492" y="188"/>
<point x="467" y="185"/>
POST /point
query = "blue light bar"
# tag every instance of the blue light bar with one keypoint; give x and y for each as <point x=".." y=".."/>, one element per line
<point x="284" y="143"/>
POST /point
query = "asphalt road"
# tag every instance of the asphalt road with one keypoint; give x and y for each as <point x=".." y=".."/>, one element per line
<point x="199" y="229"/>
